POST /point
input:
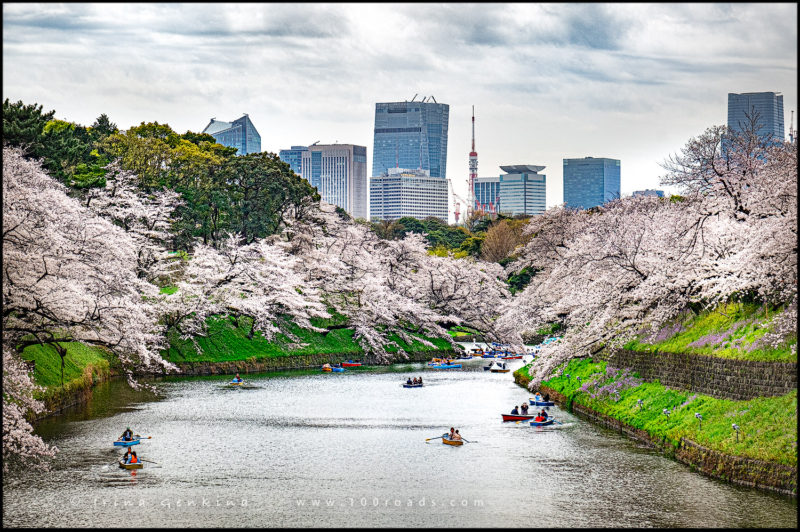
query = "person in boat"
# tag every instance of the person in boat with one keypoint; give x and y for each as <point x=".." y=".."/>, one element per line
<point x="524" y="408"/>
<point x="537" y="397"/>
<point x="547" y="398"/>
<point x="452" y="433"/>
<point x="409" y="381"/>
<point x="420" y="380"/>
<point x="127" y="435"/>
<point x="539" y="418"/>
<point x="127" y="456"/>
<point x="456" y="436"/>
<point x="237" y="378"/>
<point x="543" y="414"/>
<point x="514" y="411"/>
<point x="133" y="459"/>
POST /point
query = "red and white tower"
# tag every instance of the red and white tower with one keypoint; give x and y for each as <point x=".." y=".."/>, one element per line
<point x="473" y="172"/>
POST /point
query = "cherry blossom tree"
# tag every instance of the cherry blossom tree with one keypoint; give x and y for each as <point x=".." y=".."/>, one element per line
<point x="68" y="275"/>
<point x="633" y="265"/>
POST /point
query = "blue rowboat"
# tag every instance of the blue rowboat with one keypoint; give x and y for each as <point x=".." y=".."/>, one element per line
<point x="541" y="403"/>
<point x="119" y="443"/>
<point x="406" y="385"/>
<point x="548" y="421"/>
<point x="446" y="366"/>
<point x="337" y="370"/>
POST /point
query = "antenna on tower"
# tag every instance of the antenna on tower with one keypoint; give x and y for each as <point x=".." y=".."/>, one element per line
<point x="791" y="130"/>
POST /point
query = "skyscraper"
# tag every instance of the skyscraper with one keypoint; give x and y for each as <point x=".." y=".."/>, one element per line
<point x="411" y="135"/>
<point x="240" y="134"/>
<point x="521" y="190"/>
<point x="401" y="192"/>
<point x="294" y="157"/>
<point x="590" y="181"/>
<point x="767" y="105"/>
<point x="339" y="173"/>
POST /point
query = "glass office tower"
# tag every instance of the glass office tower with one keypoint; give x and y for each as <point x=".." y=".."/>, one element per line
<point x="767" y="105"/>
<point x="590" y="181"/>
<point x="401" y="192"/>
<point x="411" y="135"/>
<point x="294" y="158"/>
<point x="240" y="134"/>
<point x="521" y="190"/>
<point x="339" y="173"/>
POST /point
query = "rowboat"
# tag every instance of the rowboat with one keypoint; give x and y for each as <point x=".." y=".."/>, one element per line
<point x="454" y="443"/>
<point x="337" y="370"/>
<point x="326" y="369"/>
<point x="518" y="417"/>
<point x="121" y="443"/>
<point x="406" y="385"/>
<point x="498" y="370"/>
<point x="137" y="465"/>
<point x="236" y="383"/>
<point x="446" y="366"/>
<point x="548" y="421"/>
<point x="534" y="402"/>
<point x="350" y="364"/>
<point x="512" y="357"/>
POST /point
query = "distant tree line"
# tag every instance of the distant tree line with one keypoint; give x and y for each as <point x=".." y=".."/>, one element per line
<point x="249" y="196"/>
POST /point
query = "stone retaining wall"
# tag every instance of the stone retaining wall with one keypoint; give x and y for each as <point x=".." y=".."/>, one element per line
<point x="291" y="362"/>
<point x="760" y="474"/>
<point x="723" y="378"/>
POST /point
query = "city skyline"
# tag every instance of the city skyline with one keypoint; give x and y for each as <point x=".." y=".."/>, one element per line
<point x="548" y="81"/>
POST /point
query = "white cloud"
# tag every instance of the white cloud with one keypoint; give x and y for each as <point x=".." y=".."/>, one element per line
<point x="628" y="81"/>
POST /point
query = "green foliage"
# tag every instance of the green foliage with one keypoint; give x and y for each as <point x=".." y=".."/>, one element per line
<point x="768" y="425"/>
<point x="518" y="281"/>
<point x="169" y="290"/>
<point x="720" y="320"/>
<point x="439" y="233"/>
<point x="472" y="244"/>
<point x="23" y="126"/>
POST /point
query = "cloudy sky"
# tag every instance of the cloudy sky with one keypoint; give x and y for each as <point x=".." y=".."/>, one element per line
<point x="549" y="81"/>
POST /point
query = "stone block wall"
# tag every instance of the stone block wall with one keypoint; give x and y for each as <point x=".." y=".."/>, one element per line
<point x="760" y="474"/>
<point x="722" y="378"/>
<point x="291" y="362"/>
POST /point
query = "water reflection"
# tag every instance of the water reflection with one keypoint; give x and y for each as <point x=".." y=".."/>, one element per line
<point x="304" y="448"/>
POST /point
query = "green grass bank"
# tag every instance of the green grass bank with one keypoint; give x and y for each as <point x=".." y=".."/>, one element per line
<point x="229" y="341"/>
<point x="84" y="366"/>
<point x="734" y="330"/>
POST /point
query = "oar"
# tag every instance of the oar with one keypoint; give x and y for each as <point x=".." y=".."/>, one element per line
<point x="436" y="438"/>
<point x="150" y="461"/>
<point x="142" y="437"/>
<point x="466" y="440"/>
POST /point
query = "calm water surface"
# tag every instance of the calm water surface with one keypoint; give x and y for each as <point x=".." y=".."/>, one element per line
<point x="348" y="450"/>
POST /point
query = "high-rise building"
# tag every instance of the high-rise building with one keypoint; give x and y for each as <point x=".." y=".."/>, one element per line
<point x="768" y="106"/>
<point x="590" y="181"/>
<point x="521" y="190"/>
<point x="294" y="157"/>
<point x="411" y="135"/>
<point x="401" y="192"/>
<point x="339" y="173"/>
<point x="240" y="134"/>
<point x="648" y="192"/>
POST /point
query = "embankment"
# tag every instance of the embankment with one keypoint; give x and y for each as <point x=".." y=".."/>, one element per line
<point x="761" y="452"/>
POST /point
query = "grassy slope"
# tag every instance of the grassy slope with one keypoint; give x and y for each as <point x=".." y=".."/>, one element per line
<point x="737" y="345"/>
<point x="767" y="425"/>
<point x="82" y="365"/>
<point x="226" y="342"/>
